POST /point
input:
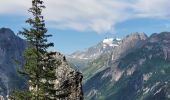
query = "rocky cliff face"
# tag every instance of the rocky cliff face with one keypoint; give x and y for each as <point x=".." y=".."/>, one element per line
<point x="68" y="81"/>
<point x="129" y="44"/>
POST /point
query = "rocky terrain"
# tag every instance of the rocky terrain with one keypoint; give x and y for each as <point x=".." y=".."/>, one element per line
<point x="68" y="82"/>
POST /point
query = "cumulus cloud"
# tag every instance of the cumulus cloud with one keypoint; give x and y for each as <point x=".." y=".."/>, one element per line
<point x="92" y="15"/>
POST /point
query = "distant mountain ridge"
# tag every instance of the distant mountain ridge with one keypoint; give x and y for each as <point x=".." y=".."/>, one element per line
<point x="11" y="48"/>
<point x="93" y="52"/>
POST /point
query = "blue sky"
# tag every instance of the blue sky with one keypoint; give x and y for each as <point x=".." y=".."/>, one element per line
<point x="83" y="23"/>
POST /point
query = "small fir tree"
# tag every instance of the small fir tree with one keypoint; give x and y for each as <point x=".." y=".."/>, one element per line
<point x="39" y="65"/>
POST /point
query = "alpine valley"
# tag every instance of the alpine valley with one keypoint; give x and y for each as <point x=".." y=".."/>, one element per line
<point x="136" y="67"/>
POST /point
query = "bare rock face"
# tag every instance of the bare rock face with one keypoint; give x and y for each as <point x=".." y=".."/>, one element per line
<point x="68" y="81"/>
<point x="132" y="41"/>
<point x="162" y="40"/>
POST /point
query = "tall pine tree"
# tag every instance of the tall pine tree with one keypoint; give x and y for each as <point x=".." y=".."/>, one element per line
<point x="40" y="65"/>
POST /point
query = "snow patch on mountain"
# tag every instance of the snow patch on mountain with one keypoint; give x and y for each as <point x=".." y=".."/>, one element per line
<point x="110" y="42"/>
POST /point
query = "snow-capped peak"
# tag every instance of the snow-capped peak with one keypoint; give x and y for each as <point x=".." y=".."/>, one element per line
<point x="104" y="46"/>
<point x="110" y="42"/>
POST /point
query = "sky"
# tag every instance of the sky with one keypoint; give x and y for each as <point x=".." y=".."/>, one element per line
<point x="79" y="24"/>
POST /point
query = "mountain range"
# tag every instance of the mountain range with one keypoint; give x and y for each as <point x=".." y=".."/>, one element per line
<point x="136" y="69"/>
<point x="81" y="58"/>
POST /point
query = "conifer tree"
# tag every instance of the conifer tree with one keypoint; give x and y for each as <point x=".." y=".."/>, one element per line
<point x="39" y="65"/>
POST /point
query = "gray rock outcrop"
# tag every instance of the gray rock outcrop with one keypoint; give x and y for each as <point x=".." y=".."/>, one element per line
<point x="68" y="81"/>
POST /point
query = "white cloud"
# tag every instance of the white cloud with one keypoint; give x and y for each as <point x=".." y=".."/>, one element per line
<point x="152" y="8"/>
<point x="92" y="15"/>
<point x="14" y="6"/>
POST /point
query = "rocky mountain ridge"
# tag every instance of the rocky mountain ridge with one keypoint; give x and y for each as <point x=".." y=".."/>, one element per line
<point x="93" y="52"/>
